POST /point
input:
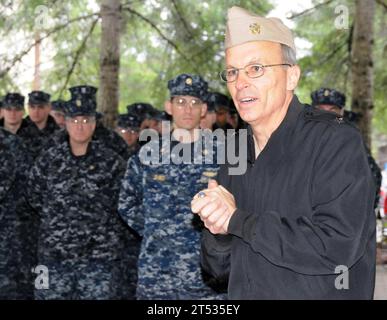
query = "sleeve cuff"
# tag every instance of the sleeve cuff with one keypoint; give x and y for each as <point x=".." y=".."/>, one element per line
<point x="242" y="224"/>
<point x="218" y="242"/>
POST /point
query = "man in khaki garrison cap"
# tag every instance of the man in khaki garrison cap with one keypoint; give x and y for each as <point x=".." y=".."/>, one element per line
<point x="299" y="222"/>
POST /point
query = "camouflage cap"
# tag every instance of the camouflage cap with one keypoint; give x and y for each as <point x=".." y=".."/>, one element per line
<point x="244" y="26"/>
<point x="328" y="96"/>
<point x="83" y="90"/>
<point x="231" y="107"/>
<point x="128" y="121"/>
<point x="139" y="109"/>
<point x="153" y="114"/>
<point x="80" y="107"/>
<point x="99" y="115"/>
<point x="352" y="117"/>
<point x="58" y="105"/>
<point x="38" y="97"/>
<point x="163" y="116"/>
<point x="188" y="85"/>
<point x="216" y="100"/>
<point x="83" y="101"/>
<point x="13" y="100"/>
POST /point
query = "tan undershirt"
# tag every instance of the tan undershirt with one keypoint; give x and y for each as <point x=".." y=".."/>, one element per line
<point x="257" y="148"/>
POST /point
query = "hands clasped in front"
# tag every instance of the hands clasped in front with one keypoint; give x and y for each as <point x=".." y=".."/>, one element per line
<point x="215" y="207"/>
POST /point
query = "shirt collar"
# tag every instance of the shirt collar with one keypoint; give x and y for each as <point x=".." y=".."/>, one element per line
<point x="279" y="140"/>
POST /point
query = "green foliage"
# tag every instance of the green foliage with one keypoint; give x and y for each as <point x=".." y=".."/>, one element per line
<point x="162" y="38"/>
<point x="172" y="37"/>
<point x="328" y="63"/>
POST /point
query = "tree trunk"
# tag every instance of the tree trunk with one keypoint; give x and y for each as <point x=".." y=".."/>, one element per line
<point x="108" y="92"/>
<point x="362" y="66"/>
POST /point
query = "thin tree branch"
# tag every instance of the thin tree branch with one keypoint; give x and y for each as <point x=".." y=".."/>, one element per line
<point x="332" y="53"/>
<point x="20" y="56"/>
<point x="182" y="19"/>
<point x="153" y="25"/>
<point x="77" y="56"/>
<point x="382" y="3"/>
<point x="309" y="10"/>
<point x="335" y="70"/>
<point x="326" y="58"/>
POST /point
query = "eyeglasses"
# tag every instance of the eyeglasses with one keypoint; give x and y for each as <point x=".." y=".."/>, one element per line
<point x="131" y="131"/>
<point x="85" y="120"/>
<point x="252" y="71"/>
<point x="182" y="103"/>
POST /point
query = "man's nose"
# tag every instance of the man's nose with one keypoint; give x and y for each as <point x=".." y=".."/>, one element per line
<point x="242" y="80"/>
<point x="188" y="108"/>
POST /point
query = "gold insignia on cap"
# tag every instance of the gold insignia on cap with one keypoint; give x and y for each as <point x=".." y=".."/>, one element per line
<point x="326" y="93"/>
<point x="209" y="174"/>
<point x="159" y="177"/>
<point x="255" y="28"/>
<point x="92" y="167"/>
<point x="188" y="81"/>
<point x="78" y="103"/>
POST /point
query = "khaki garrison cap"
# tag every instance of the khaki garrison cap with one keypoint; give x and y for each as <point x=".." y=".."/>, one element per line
<point x="243" y="26"/>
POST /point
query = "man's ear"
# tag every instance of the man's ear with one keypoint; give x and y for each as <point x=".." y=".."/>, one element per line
<point x="168" y="107"/>
<point x="293" y="75"/>
<point x="204" y="110"/>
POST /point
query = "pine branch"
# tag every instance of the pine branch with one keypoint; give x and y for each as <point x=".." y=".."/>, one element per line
<point x="309" y="10"/>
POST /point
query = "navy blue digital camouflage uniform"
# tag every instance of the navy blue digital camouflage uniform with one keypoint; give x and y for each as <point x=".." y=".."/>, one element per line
<point x="33" y="141"/>
<point x="112" y="140"/>
<point x="25" y="240"/>
<point x="8" y="223"/>
<point x="155" y="202"/>
<point x="81" y="237"/>
<point x="15" y="220"/>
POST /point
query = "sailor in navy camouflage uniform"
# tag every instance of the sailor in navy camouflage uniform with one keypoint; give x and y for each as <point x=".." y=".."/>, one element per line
<point x="41" y="126"/>
<point x="74" y="187"/>
<point x="140" y="110"/>
<point x="128" y="127"/>
<point x="15" y="216"/>
<point x="24" y="244"/>
<point x="108" y="137"/>
<point x="57" y="112"/>
<point x="332" y="100"/>
<point x="9" y="258"/>
<point x="13" y="112"/>
<point x="155" y="200"/>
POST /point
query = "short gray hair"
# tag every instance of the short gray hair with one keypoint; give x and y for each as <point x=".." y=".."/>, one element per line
<point x="288" y="54"/>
